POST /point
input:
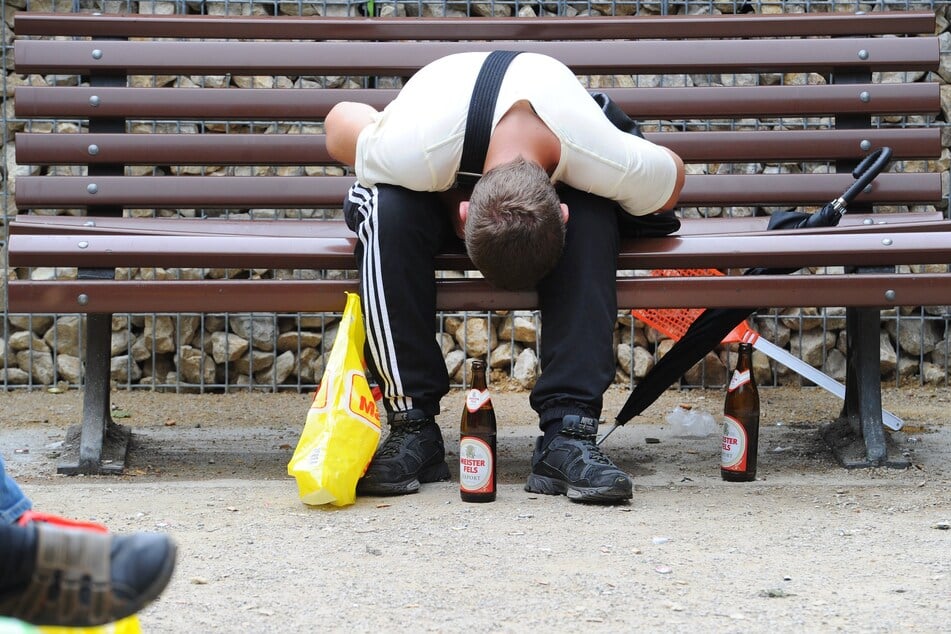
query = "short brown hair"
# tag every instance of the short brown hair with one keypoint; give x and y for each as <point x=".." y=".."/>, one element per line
<point x="514" y="230"/>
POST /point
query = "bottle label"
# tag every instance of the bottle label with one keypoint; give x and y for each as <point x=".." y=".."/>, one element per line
<point x="733" y="452"/>
<point x="475" y="465"/>
<point x="739" y="379"/>
<point x="476" y="399"/>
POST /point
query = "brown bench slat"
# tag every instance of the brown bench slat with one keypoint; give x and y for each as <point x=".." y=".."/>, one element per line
<point x="702" y="251"/>
<point x="805" y="189"/>
<point x="851" y="223"/>
<point x="272" y="192"/>
<point x="311" y="149"/>
<point x="103" y="225"/>
<point x="354" y="28"/>
<point x="404" y="58"/>
<point x="182" y="103"/>
<point x="299" y="104"/>
<point x="193" y="251"/>
<point x="796" y="145"/>
<point x="471" y="294"/>
<point x="173" y="149"/>
<point x="79" y="225"/>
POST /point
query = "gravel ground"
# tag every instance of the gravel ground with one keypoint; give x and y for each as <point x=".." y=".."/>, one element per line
<point x="809" y="546"/>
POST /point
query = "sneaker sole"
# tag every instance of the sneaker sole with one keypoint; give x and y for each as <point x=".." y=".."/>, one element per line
<point x="603" y="495"/>
<point x="436" y="473"/>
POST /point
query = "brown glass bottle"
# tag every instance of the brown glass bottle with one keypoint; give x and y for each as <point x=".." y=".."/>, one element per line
<point x="740" y="421"/>
<point x="477" y="441"/>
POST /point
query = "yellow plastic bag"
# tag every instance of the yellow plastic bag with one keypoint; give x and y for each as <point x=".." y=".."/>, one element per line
<point x="343" y="425"/>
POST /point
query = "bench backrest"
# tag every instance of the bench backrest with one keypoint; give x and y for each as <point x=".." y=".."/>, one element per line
<point x="762" y="119"/>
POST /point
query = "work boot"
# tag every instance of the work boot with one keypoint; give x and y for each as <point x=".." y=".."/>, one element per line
<point x="412" y="453"/>
<point x="572" y="464"/>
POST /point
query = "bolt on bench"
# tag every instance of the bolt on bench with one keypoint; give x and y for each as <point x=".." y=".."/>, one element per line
<point x="768" y="111"/>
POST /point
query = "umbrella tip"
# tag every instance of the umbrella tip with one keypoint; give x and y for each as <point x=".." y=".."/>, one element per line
<point x="610" y="431"/>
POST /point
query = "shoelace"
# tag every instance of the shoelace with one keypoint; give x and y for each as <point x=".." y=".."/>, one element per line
<point x="391" y="446"/>
<point x="594" y="451"/>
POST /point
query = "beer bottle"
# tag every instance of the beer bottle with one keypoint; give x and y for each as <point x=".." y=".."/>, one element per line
<point x="477" y="441"/>
<point x="740" y="421"/>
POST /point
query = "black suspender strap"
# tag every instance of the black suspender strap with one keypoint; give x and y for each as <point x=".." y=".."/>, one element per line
<point x="479" y="120"/>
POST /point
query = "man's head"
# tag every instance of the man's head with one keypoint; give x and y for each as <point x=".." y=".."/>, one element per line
<point x="515" y="225"/>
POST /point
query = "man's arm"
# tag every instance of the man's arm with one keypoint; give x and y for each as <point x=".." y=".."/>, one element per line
<point x="343" y="125"/>
<point x="678" y="184"/>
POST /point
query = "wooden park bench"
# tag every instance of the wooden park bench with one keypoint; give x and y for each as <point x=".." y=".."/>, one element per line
<point x="807" y="95"/>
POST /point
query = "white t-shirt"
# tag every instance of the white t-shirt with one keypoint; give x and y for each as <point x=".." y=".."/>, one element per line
<point x="416" y="142"/>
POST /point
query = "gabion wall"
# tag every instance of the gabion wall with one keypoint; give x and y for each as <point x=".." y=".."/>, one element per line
<point x="286" y="351"/>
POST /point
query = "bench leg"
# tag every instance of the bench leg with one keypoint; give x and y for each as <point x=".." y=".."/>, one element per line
<point x="858" y="437"/>
<point x="98" y="445"/>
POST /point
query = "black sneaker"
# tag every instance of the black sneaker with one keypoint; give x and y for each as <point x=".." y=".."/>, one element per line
<point x="413" y="453"/>
<point x="572" y="464"/>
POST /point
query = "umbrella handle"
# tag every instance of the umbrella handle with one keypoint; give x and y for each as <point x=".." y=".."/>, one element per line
<point x="865" y="172"/>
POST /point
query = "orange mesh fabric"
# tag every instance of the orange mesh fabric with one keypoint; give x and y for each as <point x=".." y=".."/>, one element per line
<point x="673" y="322"/>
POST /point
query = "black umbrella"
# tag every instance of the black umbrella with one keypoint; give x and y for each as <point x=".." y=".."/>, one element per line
<point x="711" y="326"/>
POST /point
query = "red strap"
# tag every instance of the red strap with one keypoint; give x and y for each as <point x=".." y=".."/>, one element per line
<point x="63" y="522"/>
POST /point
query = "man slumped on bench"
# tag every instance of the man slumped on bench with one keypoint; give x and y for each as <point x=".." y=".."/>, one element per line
<point x="560" y="184"/>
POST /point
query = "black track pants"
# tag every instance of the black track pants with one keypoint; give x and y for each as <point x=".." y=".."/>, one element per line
<point x="399" y="233"/>
<point x="578" y="303"/>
